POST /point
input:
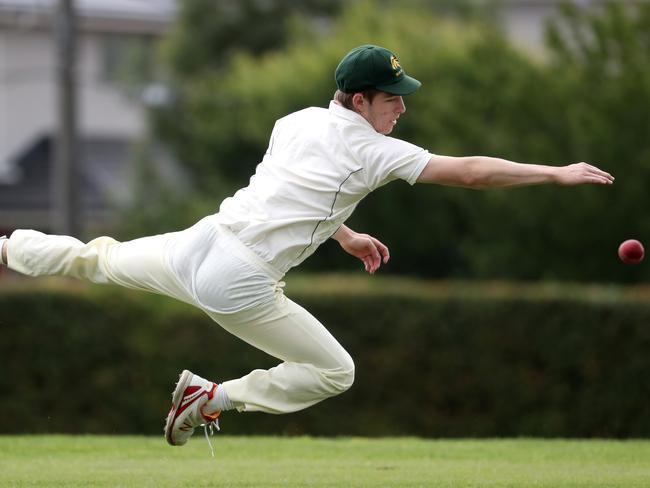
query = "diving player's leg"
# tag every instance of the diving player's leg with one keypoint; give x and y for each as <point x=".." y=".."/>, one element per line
<point x="315" y="366"/>
<point x="138" y="264"/>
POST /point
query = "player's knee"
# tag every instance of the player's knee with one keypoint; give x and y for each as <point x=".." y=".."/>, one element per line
<point x="341" y="378"/>
<point x="93" y="259"/>
<point x="347" y="378"/>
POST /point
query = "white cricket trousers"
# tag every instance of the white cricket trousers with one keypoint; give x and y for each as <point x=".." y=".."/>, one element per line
<point x="314" y="365"/>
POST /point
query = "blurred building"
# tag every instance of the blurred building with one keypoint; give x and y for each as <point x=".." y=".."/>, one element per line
<point x="115" y="66"/>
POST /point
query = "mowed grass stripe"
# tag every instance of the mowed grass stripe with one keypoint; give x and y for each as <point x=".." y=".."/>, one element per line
<point x="104" y="461"/>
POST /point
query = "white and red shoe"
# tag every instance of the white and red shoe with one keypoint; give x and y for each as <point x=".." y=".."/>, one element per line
<point x="191" y="394"/>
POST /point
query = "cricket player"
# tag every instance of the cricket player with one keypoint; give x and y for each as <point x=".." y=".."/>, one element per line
<point x="319" y="164"/>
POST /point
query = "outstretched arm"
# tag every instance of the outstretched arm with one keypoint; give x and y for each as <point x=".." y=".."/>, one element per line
<point x="487" y="172"/>
<point x="368" y="249"/>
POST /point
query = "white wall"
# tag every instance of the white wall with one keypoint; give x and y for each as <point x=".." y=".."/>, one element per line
<point x="28" y="93"/>
<point x="26" y="90"/>
<point x="103" y="108"/>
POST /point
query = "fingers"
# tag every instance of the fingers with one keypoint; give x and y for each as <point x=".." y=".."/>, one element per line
<point x="372" y="260"/>
<point x="370" y="265"/>
<point x="383" y="250"/>
<point x="599" y="176"/>
<point x="370" y="251"/>
<point x="588" y="173"/>
<point x="600" y="180"/>
<point x="367" y="261"/>
<point x="378" y="253"/>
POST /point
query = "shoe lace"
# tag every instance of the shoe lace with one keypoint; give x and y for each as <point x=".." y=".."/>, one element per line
<point x="211" y="427"/>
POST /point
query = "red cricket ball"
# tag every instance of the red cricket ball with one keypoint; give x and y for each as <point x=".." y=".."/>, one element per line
<point x="631" y="251"/>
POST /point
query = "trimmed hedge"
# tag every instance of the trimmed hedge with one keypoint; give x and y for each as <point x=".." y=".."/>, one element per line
<point x="432" y="360"/>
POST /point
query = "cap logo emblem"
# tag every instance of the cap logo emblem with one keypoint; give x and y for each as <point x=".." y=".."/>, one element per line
<point x="397" y="69"/>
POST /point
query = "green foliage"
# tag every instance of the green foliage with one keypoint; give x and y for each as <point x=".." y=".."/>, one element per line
<point x="602" y="72"/>
<point x="591" y="104"/>
<point x="160" y="198"/>
<point x="128" y="62"/>
<point x="209" y="32"/>
<point x="589" y="101"/>
<point x="432" y="360"/>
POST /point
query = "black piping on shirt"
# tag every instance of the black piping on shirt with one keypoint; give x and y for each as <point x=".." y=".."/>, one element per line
<point x="311" y="241"/>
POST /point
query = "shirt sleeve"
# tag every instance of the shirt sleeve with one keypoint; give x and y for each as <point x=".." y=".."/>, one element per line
<point x="387" y="158"/>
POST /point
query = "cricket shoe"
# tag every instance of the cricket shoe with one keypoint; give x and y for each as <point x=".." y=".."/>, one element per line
<point x="191" y="394"/>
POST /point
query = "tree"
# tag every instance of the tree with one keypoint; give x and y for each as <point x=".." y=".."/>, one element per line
<point x="480" y="95"/>
<point x="209" y="32"/>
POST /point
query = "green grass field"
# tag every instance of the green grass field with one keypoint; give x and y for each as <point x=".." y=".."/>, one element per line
<point x="92" y="461"/>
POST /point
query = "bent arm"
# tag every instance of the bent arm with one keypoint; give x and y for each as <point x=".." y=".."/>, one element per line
<point x="371" y="251"/>
<point x="487" y="172"/>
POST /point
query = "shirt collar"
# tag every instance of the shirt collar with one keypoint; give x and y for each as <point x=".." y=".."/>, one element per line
<point x="340" y="111"/>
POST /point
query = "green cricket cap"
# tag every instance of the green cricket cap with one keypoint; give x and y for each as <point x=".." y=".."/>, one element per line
<point x="368" y="66"/>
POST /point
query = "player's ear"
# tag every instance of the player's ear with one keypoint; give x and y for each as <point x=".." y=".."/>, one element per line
<point x="358" y="101"/>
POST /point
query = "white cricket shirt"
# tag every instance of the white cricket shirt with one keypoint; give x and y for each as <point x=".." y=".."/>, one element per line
<point x="319" y="164"/>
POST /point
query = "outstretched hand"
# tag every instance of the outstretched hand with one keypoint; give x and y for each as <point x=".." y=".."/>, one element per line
<point x="368" y="249"/>
<point x="579" y="173"/>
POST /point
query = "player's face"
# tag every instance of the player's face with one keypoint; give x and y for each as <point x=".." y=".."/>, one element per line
<point x="384" y="111"/>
